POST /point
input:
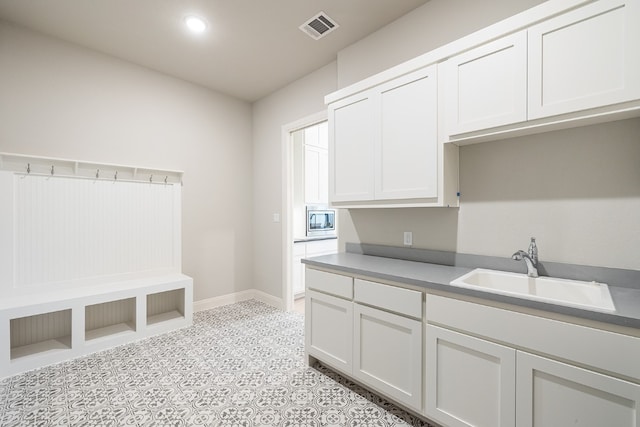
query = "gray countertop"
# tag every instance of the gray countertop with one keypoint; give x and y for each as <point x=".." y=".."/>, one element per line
<point x="435" y="276"/>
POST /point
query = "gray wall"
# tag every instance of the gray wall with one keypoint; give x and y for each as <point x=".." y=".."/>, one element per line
<point x="290" y="104"/>
<point x="61" y="100"/>
<point x="576" y="190"/>
<point x="428" y="27"/>
<point x="579" y="195"/>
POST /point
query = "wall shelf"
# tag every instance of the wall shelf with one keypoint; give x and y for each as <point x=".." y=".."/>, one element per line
<point x="53" y="166"/>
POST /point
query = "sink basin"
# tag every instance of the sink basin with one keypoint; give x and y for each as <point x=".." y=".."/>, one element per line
<point x="573" y="293"/>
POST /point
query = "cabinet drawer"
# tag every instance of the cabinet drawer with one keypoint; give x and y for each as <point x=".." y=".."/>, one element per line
<point x="329" y="283"/>
<point x="399" y="300"/>
<point x="322" y="247"/>
<point x="563" y="340"/>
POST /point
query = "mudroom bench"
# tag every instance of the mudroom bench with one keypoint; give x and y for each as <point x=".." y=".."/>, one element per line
<point x="90" y="258"/>
<point x="44" y="327"/>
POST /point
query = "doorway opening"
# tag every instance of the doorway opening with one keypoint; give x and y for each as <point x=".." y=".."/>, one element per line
<point x="305" y="187"/>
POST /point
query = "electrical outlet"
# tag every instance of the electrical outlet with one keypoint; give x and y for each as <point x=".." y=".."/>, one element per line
<point x="408" y="238"/>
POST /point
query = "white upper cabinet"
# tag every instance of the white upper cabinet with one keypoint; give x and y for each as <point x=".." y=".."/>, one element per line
<point x="351" y="144"/>
<point x="383" y="144"/>
<point x="407" y="153"/>
<point x="579" y="66"/>
<point x="316" y="164"/>
<point x="316" y="180"/>
<point x="487" y="86"/>
<point x="586" y="58"/>
<point x="561" y="64"/>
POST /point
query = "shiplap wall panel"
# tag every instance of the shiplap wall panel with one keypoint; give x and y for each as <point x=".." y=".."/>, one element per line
<point x="6" y="230"/>
<point x="110" y="313"/>
<point x="69" y="229"/>
<point x="39" y="328"/>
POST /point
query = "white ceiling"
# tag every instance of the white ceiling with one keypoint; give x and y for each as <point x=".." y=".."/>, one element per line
<point x="251" y="48"/>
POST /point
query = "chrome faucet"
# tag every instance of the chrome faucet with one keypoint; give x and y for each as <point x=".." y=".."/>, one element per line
<point x="530" y="258"/>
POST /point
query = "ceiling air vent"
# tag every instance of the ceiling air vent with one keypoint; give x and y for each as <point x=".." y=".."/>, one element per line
<point x="319" y="26"/>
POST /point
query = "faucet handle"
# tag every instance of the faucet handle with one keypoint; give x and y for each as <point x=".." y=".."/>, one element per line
<point x="533" y="250"/>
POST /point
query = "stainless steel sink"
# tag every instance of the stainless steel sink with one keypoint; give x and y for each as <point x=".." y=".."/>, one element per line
<point x="573" y="293"/>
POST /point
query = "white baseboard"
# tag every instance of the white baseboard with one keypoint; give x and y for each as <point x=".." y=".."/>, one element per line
<point x="209" y="303"/>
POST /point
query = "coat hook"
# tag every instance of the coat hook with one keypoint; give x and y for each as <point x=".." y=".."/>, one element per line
<point x="97" y="173"/>
<point x="28" y="167"/>
<point x="165" y="179"/>
<point x="52" y="172"/>
<point x="115" y="177"/>
<point x="151" y="178"/>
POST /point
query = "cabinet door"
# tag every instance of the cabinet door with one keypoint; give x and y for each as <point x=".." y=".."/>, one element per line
<point x="298" y="268"/>
<point x="487" y="86"/>
<point x="470" y="382"/>
<point x="586" y="58"/>
<point x="552" y="393"/>
<point x="388" y="354"/>
<point x="316" y="176"/>
<point x="329" y="330"/>
<point x="351" y="142"/>
<point x="407" y="155"/>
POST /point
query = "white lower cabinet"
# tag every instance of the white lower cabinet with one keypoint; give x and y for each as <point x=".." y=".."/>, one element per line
<point x="552" y="393"/>
<point x="388" y="354"/>
<point x="308" y="249"/>
<point x="464" y="364"/>
<point x="469" y="381"/>
<point x="297" y="276"/>
<point x="370" y="331"/>
<point x="329" y="330"/>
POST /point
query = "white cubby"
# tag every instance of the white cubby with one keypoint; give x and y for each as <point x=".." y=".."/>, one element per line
<point x="46" y="326"/>
<point x="91" y="258"/>
<point x="165" y="306"/>
<point x="110" y="319"/>
<point x="39" y="334"/>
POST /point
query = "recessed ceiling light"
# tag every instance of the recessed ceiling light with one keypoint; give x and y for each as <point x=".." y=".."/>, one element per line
<point x="195" y="24"/>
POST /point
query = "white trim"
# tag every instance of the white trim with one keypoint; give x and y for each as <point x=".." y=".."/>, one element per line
<point x="287" y="202"/>
<point x="209" y="303"/>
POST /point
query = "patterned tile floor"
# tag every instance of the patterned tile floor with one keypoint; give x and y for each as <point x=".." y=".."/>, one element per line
<point x="238" y="365"/>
